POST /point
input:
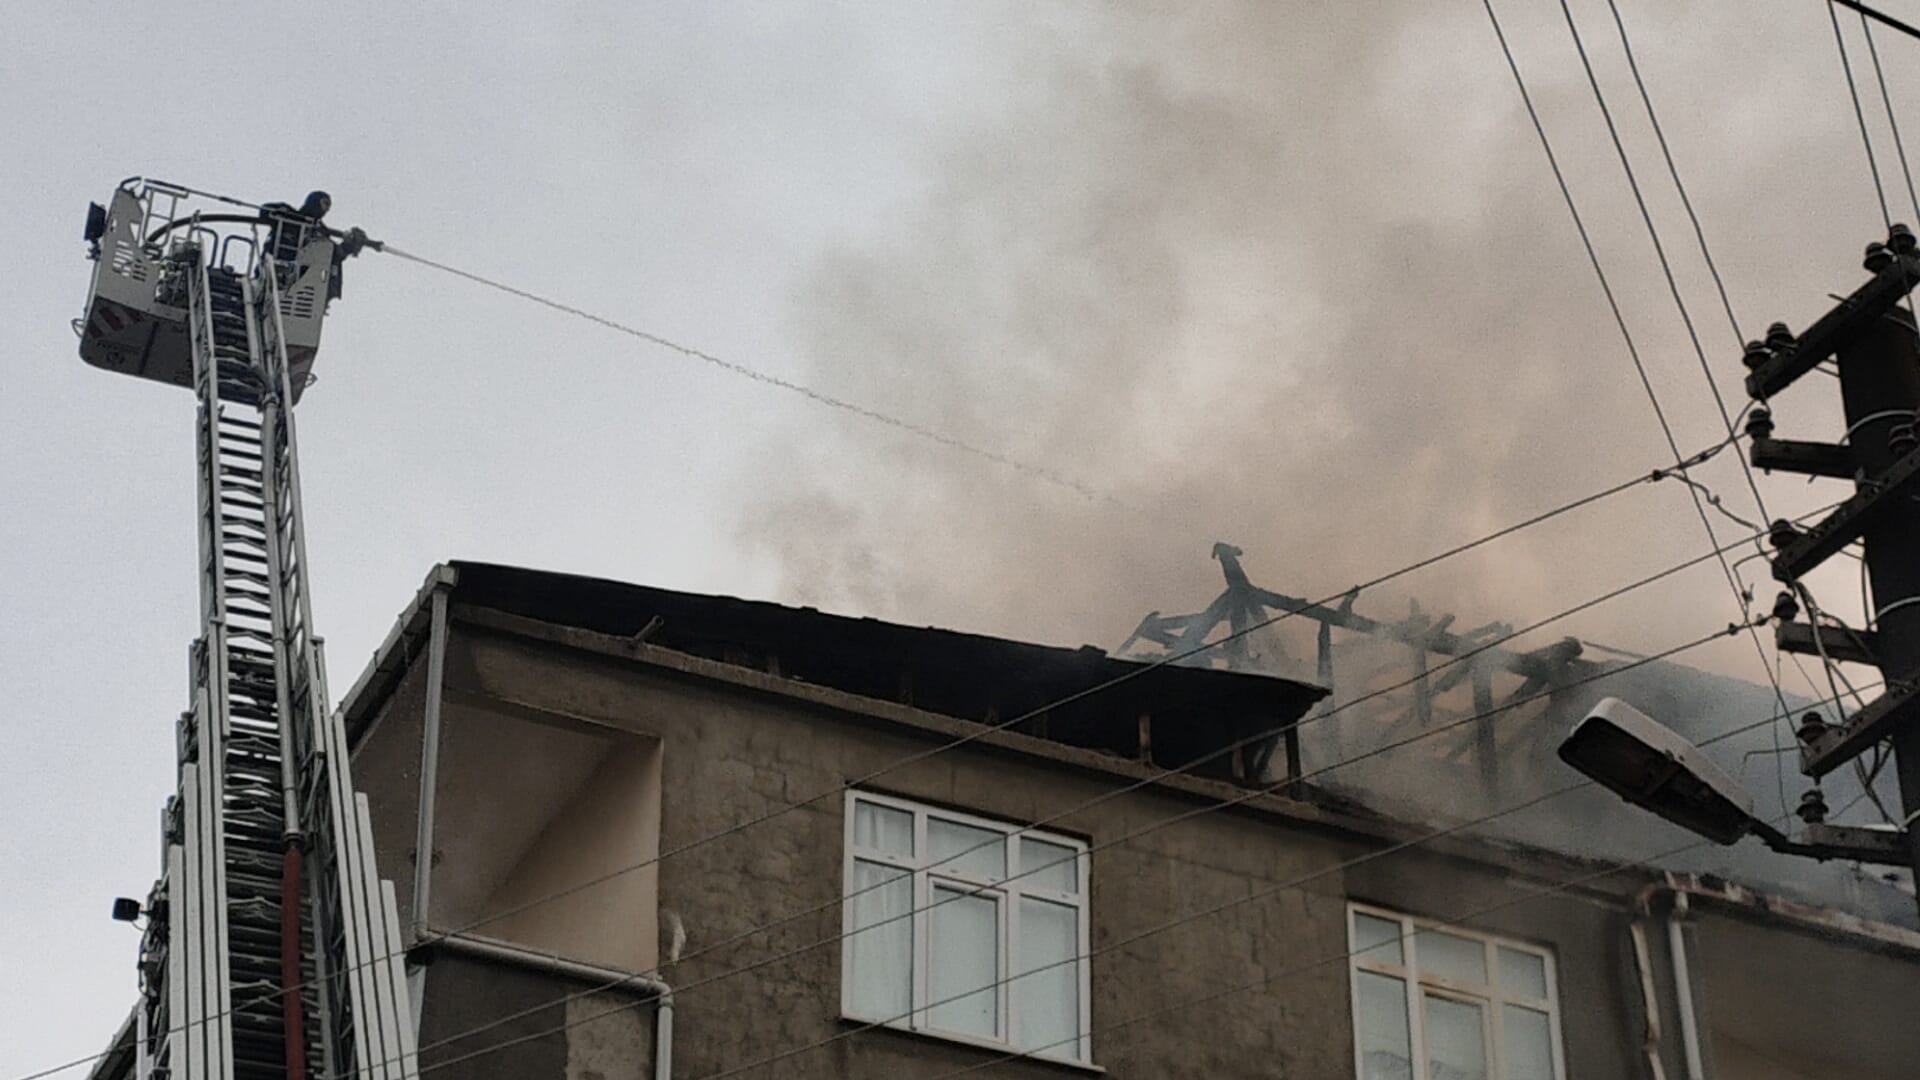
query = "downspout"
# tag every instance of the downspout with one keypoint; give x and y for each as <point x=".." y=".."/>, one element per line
<point x="1649" y="995"/>
<point x="605" y="978"/>
<point x="1682" y="979"/>
<point x="1683" y="986"/>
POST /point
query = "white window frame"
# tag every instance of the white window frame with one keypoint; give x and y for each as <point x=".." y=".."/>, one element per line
<point x="1007" y="893"/>
<point x="1490" y="997"/>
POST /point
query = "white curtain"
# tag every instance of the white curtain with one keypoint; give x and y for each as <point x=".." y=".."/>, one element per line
<point x="1048" y="1000"/>
<point x="882" y="828"/>
<point x="880" y="951"/>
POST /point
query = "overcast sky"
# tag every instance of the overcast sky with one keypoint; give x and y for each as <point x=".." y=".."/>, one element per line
<point x="1293" y="276"/>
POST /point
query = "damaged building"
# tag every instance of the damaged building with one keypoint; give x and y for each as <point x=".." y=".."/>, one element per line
<point x="638" y="832"/>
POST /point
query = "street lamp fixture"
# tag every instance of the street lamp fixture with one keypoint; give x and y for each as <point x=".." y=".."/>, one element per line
<point x="1652" y="767"/>
<point x="1649" y="765"/>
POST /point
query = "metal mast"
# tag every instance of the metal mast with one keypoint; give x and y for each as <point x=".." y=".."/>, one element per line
<point x="272" y="949"/>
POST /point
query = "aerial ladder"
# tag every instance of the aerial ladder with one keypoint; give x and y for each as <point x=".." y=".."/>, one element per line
<point x="271" y="948"/>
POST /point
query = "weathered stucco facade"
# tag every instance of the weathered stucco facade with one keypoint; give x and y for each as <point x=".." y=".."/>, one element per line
<point x="572" y="749"/>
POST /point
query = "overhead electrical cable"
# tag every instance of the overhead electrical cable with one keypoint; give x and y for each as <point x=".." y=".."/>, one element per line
<point x="1673" y="171"/>
<point x="1741" y="600"/>
<point x="1606" y="286"/>
<point x="1040" y="471"/>
<point x="1159" y="777"/>
<point x="1118" y="680"/>
<point x="1859" y="114"/>
<point x="1880" y="17"/>
<point x="1177" y="921"/>
<point x="1651" y="477"/>
<point x="1866" y="139"/>
<point x="1465" y="546"/>
<point x="1456" y="922"/>
<point x="1654" y="476"/>
<point x="1163" y="775"/>
<point x="1146" y="781"/>
<point x="1893" y="121"/>
<point x="1742" y="594"/>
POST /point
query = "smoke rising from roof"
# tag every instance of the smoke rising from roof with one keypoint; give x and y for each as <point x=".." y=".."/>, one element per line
<point x="1297" y="277"/>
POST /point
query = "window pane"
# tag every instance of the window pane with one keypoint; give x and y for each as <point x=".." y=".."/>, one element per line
<point x="882" y="828"/>
<point x="1380" y="1002"/>
<point x="1048" y="1000"/>
<point x="1456" y="1040"/>
<point x="966" y="849"/>
<point x="1522" y="974"/>
<point x="964" y="955"/>
<point x="1451" y="957"/>
<point x="1048" y="866"/>
<point x="1376" y="939"/>
<point x="1528" y="1054"/>
<point x="880" y="953"/>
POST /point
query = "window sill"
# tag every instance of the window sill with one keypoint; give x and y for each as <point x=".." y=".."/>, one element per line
<point x="1087" y="1068"/>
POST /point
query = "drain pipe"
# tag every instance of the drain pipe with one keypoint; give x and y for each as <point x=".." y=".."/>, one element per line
<point x="1649" y="996"/>
<point x="1682" y="977"/>
<point x="1683" y="985"/>
<point x="608" y="979"/>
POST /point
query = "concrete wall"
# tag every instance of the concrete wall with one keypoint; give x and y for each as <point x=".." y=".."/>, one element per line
<point x="1785" y="1002"/>
<point x="732" y="756"/>
<point x="537" y="1026"/>
<point x="526" y="805"/>
<point x="611" y="822"/>
<point x="729" y="747"/>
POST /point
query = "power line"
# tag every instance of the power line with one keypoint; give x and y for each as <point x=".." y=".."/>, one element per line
<point x="1190" y="917"/>
<point x="1859" y="114"/>
<point x="1673" y="171"/>
<point x="1216" y="909"/>
<point x="1209" y="808"/>
<point x="1699" y="234"/>
<point x="1161" y="776"/>
<point x="1135" y="673"/>
<point x="1042" y="472"/>
<point x="1741" y="592"/>
<point x="1866" y="139"/>
<point x="1036" y="470"/>
<point x="1164" y="774"/>
<point x="1579" y="223"/>
<point x="1457" y="922"/>
<point x="1653" y="476"/>
<point x="1893" y="122"/>
<point x="1593" y="257"/>
<point x="1869" y="13"/>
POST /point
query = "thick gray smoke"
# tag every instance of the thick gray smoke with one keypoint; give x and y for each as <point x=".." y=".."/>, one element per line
<point x="1297" y="277"/>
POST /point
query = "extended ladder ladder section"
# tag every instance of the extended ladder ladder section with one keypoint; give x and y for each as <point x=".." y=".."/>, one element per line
<point x="272" y="950"/>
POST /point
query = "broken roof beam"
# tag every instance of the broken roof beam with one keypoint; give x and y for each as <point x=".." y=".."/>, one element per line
<point x="1180" y="633"/>
<point x="1439" y="640"/>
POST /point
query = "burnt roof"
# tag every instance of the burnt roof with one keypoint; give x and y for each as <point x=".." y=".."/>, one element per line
<point x="1082" y="696"/>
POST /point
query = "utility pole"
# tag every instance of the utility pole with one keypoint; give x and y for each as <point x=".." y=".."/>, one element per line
<point x="1880" y="386"/>
<point x="1877" y="347"/>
